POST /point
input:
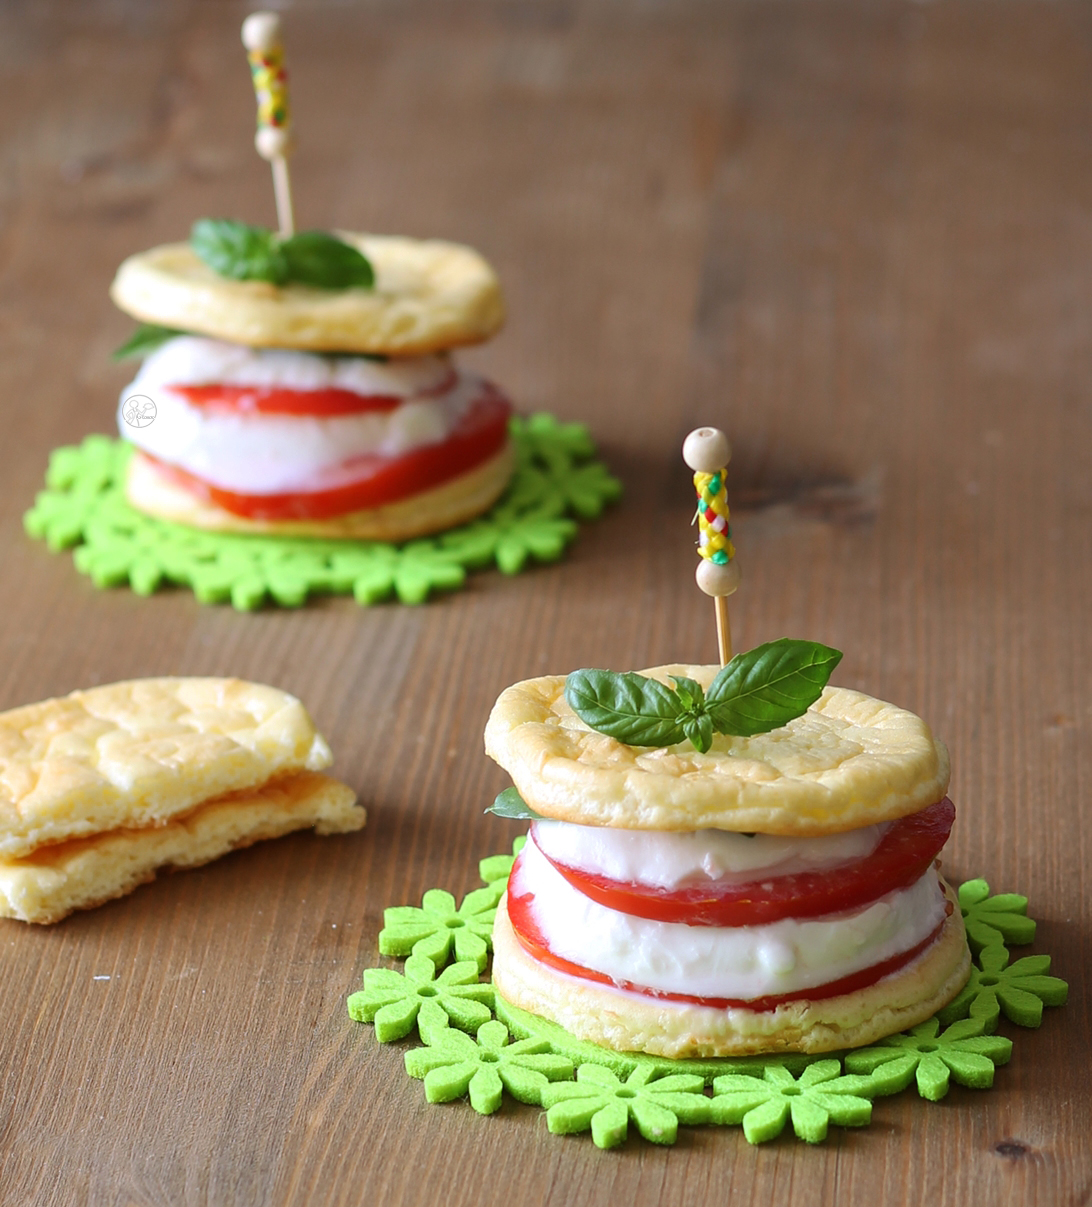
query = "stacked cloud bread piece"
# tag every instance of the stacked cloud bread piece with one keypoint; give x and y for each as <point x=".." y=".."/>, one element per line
<point x="779" y="892"/>
<point x="101" y="789"/>
<point x="318" y="412"/>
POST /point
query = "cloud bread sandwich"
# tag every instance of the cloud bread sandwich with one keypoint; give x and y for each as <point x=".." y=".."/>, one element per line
<point x="724" y="861"/>
<point x="102" y="788"/>
<point x="300" y="383"/>
<point x="304" y="386"/>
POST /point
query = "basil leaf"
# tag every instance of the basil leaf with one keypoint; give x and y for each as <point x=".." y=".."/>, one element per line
<point x="252" y="253"/>
<point x="629" y="707"/>
<point x="316" y="258"/>
<point x="145" y="340"/>
<point x="689" y="691"/>
<point x="699" y="729"/>
<point x="509" y="803"/>
<point x="769" y="686"/>
<point x="238" y="251"/>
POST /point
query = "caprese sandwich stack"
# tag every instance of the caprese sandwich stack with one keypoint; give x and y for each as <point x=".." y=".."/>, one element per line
<point x="305" y="386"/>
<point x="728" y="893"/>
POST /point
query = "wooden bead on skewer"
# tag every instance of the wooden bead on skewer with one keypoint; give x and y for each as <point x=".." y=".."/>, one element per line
<point x="272" y="142"/>
<point x="718" y="581"/>
<point x="262" y="31"/>
<point x="706" y="450"/>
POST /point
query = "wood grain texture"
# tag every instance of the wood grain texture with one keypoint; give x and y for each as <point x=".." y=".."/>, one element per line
<point x="859" y="237"/>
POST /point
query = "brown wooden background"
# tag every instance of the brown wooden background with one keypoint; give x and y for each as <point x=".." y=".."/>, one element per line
<point x="859" y="237"/>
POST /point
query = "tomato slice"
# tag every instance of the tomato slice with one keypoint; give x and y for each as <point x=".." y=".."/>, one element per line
<point x="902" y="857"/>
<point x="534" y="943"/>
<point x="263" y="400"/>
<point x="371" y="480"/>
<point x="254" y="400"/>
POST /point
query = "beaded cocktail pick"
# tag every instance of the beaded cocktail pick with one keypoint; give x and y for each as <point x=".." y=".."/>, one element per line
<point x="707" y="451"/>
<point x="273" y="139"/>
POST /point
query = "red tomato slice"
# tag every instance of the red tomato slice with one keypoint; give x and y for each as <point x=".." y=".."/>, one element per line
<point x="262" y="400"/>
<point x="534" y="943"/>
<point x="253" y="400"/>
<point x="375" y="481"/>
<point x="901" y="858"/>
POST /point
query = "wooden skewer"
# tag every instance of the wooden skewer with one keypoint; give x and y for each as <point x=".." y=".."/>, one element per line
<point x="282" y="193"/>
<point x="273" y="140"/>
<point x="707" y="452"/>
<point x="724" y="629"/>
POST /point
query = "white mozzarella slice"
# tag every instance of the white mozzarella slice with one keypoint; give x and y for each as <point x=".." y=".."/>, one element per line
<point x="673" y="859"/>
<point x="193" y="360"/>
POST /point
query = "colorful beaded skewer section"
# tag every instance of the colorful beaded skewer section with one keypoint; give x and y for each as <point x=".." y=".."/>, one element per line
<point x="270" y="85"/>
<point x="715" y="532"/>
<point x="707" y="452"/>
<point x="265" y="54"/>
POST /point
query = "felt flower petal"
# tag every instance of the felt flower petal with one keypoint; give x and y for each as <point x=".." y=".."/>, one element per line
<point x="686" y="1107"/>
<point x="523" y="1083"/>
<point x="469" y="946"/>
<point x="396" y="1020"/>
<point x="678" y="1083"/>
<point x="467" y="1013"/>
<point x="568" y="1115"/>
<point x="814" y="1074"/>
<point x="932" y="1077"/>
<point x="597" y="1075"/>
<point x="449" y="1082"/>
<point x="846" y="1110"/>
<point x="969" y="1068"/>
<point x="609" y="1124"/>
<point x="486" y="1089"/>
<point x="889" y="1071"/>
<point x="734" y="1105"/>
<point x="766" y="1122"/>
<point x="654" y="1121"/>
<point x="809" y="1120"/>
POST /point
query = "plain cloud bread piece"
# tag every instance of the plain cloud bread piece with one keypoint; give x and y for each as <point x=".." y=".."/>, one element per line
<point x="101" y="788"/>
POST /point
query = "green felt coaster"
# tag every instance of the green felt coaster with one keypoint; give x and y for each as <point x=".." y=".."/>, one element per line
<point x="558" y="481"/>
<point x="581" y="1087"/>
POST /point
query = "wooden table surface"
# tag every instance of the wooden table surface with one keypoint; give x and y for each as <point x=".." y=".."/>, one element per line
<point x="857" y="236"/>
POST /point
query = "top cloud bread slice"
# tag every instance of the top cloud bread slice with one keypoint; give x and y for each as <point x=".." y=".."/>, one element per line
<point x="849" y="761"/>
<point x="429" y="295"/>
<point x="138" y="753"/>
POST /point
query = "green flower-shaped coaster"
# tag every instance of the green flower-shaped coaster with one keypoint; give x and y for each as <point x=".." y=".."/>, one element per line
<point x="396" y="1003"/>
<point x="583" y="1087"/>
<point x="437" y="928"/>
<point x="933" y="1058"/>
<point x="557" y="482"/>
<point x="454" y="1066"/>
<point x="598" y="1100"/>
<point x="819" y="1097"/>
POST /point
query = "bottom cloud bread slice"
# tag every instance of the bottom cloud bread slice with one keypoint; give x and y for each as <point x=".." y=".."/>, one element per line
<point x="53" y="881"/>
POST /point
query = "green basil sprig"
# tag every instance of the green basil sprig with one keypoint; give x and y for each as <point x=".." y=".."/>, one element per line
<point x="145" y="340"/>
<point x="510" y="804"/>
<point x="253" y="253"/>
<point x="757" y="691"/>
